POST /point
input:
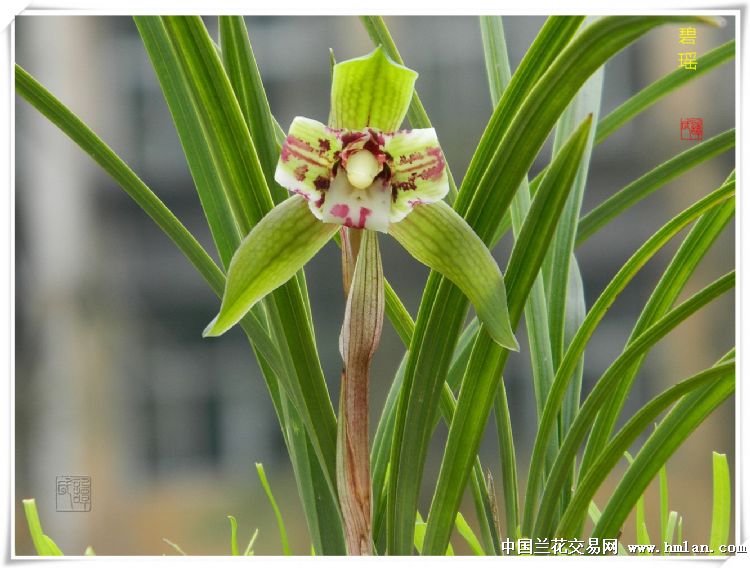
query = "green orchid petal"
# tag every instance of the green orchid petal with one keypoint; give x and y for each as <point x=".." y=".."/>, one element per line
<point x="371" y="91"/>
<point x="306" y="162"/>
<point x="270" y="254"/>
<point x="418" y="170"/>
<point x="437" y="236"/>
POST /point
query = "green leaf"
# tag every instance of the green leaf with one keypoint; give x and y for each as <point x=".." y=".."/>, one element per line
<point x="249" y="549"/>
<point x="319" y="499"/>
<point x="420" y="527"/>
<point x="83" y="136"/>
<point x="204" y="170"/>
<point x="645" y="185"/>
<point x="641" y="530"/>
<point x="535" y="313"/>
<point x="606" y="383"/>
<point x="480" y="382"/>
<point x="570" y="524"/>
<point x="398" y="315"/>
<point x="594" y="316"/>
<point x="566" y="304"/>
<point x="435" y="235"/>
<point x="681" y="421"/>
<point x="371" y="91"/>
<point x="424" y="375"/>
<point x="482" y="205"/>
<point x="233" y="537"/>
<point x="556" y="33"/>
<point x="244" y="76"/>
<point x="658" y="89"/>
<point x="276" y="511"/>
<point x="664" y="504"/>
<point x="245" y="194"/>
<point x="721" y="514"/>
<point x="684" y="263"/>
<point x="221" y="117"/>
<point x="43" y="544"/>
<point x="508" y="465"/>
<point x="499" y="75"/>
<point x="176" y="547"/>
<point x="269" y="256"/>
<point x="671" y="526"/>
<point x="471" y="539"/>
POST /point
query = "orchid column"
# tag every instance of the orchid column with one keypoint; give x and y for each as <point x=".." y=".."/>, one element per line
<point x="363" y="174"/>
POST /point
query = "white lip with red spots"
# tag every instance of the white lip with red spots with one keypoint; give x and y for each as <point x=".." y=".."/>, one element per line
<point x="361" y="179"/>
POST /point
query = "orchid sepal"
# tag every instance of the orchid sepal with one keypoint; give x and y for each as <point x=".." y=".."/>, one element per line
<point x="274" y="250"/>
<point x="371" y="91"/>
<point x="440" y="238"/>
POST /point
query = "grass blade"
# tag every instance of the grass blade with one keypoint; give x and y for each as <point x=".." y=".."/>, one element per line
<point x="468" y="535"/>
<point x="692" y="250"/>
<point x="645" y="185"/>
<point x="250" y="199"/>
<point x="276" y="511"/>
<point x="507" y="462"/>
<point x="89" y="142"/>
<point x="566" y="304"/>
<point x="244" y="76"/>
<point x="658" y="89"/>
<point x="233" y="537"/>
<point x="480" y="382"/>
<point x="545" y="520"/>
<point x="224" y="229"/>
<point x="681" y="421"/>
<point x="663" y="504"/>
<point x="221" y="117"/>
<point x="483" y="205"/>
<point x="43" y="544"/>
<point x="571" y="522"/>
<point x="594" y="316"/>
<point x="721" y="514"/>
<point x="441" y="315"/>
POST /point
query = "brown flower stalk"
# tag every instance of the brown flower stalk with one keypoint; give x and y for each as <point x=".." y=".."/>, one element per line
<point x="360" y="335"/>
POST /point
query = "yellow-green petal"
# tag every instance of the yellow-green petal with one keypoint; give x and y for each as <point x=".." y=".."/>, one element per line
<point x="418" y="170"/>
<point x="306" y="161"/>
<point x="371" y="91"/>
<point x="437" y="236"/>
<point x="270" y="254"/>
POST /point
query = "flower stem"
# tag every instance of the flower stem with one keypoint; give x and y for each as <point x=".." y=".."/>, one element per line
<point x="360" y="335"/>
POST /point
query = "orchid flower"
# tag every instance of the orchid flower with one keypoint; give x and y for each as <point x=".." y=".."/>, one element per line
<point x="360" y="171"/>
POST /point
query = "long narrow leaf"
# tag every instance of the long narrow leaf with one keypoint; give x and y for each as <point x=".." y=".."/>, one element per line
<point x="658" y="89"/>
<point x="220" y="219"/>
<point x="442" y="312"/>
<point x="721" y="514"/>
<point x="684" y="263"/>
<point x="576" y="511"/>
<point x="594" y="316"/>
<point x="276" y="511"/>
<point x="480" y="382"/>
<point x="652" y="181"/>
<point x="585" y="417"/>
<point x="681" y="421"/>
<point x="244" y="76"/>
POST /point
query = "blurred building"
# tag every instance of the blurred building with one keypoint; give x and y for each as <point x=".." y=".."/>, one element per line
<point x="113" y="379"/>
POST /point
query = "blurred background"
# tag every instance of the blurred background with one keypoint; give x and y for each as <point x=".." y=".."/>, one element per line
<point x="113" y="379"/>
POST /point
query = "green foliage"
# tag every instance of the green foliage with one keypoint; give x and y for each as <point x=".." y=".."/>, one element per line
<point x="450" y="371"/>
